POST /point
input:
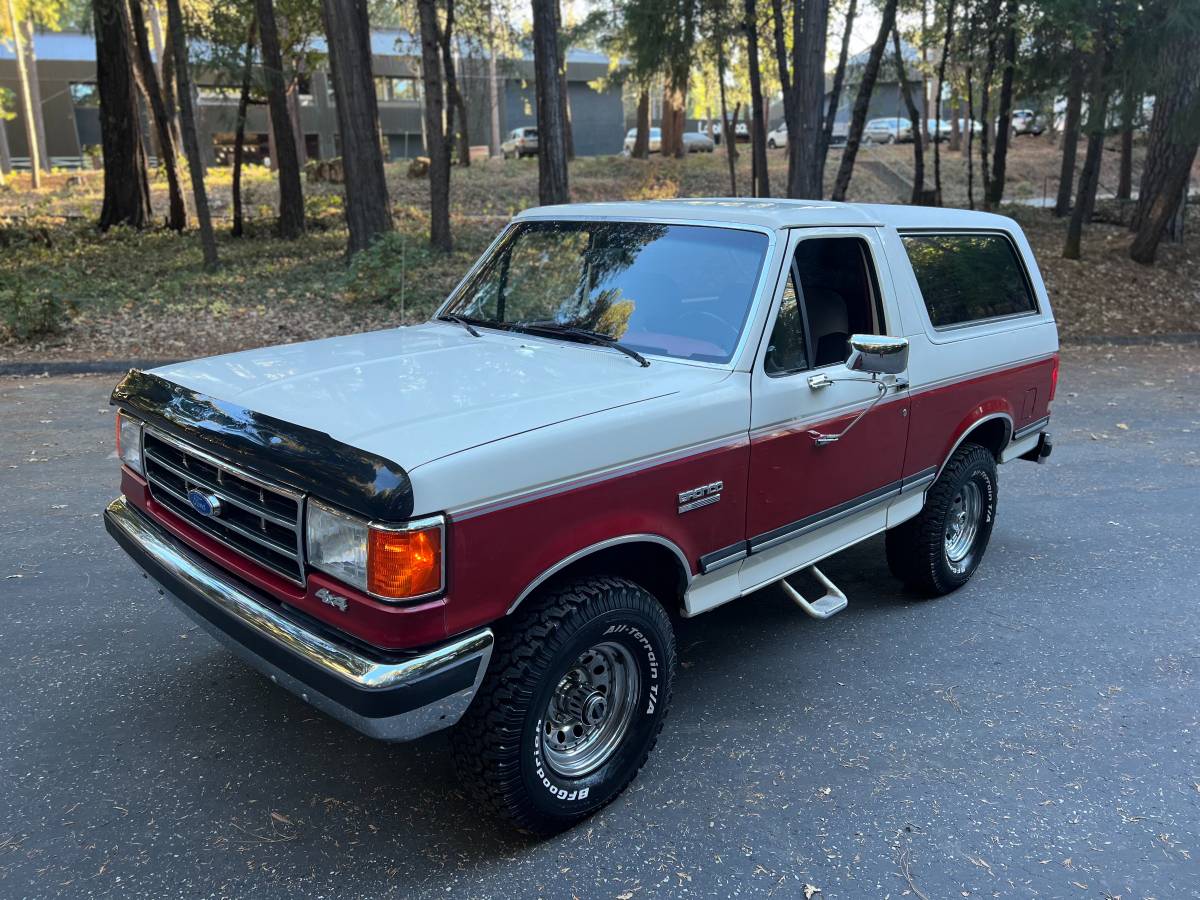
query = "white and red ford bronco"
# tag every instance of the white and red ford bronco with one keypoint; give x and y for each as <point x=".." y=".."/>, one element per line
<point x="624" y="411"/>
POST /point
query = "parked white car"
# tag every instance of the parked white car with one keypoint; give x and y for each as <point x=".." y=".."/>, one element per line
<point x="888" y="131"/>
<point x="655" y="141"/>
<point x="625" y="411"/>
<point x="778" y="137"/>
<point x="1026" y="121"/>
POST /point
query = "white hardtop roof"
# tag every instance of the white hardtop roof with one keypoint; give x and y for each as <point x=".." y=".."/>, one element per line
<point x="775" y="213"/>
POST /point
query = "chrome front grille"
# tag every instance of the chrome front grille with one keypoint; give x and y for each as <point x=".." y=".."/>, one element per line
<point x="259" y="520"/>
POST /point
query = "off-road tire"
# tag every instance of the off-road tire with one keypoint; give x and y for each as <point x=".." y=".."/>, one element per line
<point x="916" y="549"/>
<point x="498" y="743"/>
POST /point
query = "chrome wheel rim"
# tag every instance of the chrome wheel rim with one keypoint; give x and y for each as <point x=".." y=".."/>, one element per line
<point x="962" y="524"/>
<point x="590" y="710"/>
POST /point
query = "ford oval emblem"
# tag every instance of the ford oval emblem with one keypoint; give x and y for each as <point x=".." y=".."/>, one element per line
<point x="205" y="504"/>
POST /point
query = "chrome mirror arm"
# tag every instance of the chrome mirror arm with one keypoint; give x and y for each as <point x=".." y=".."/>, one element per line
<point x="822" y="380"/>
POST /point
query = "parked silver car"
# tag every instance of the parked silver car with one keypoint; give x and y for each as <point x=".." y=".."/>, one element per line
<point x="778" y="137"/>
<point x="521" y="142"/>
<point x="694" y="142"/>
<point x="892" y="130"/>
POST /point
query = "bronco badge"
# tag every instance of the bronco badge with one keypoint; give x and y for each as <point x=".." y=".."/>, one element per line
<point x="705" y="495"/>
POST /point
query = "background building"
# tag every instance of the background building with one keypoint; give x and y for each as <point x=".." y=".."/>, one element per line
<point x="66" y="71"/>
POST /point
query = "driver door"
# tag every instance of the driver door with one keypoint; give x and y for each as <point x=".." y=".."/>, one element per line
<point x="807" y="500"/>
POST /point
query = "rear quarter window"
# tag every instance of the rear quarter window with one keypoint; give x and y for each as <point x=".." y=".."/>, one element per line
<point x="967" y="278"/>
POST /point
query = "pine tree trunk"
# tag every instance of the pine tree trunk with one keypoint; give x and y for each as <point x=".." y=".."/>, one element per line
<point x="26" y="99"/>
<point x="680" y="113"/>
<point x="937" y="113"/>
<point x="807" y="159"/>
<point x="785" y="81"/>
<point x="914" y="116"/>
<point x="641" y="141"/>
<point x="493" y="86"/>
<point x="969" y="144"/>
<point x="1089" y="176"/>
<point x="285" y="155"/>
<point x="1004" y="133"/>
<point x="239" y="139"/>
<point x="437" y="144"/>
<point x="177" y="216"/>
<point x="985" y="99"/>
<point x="126" y="190"/>
<point x="552" y="134"/>
<point x="368" y="207"/>
<point x="760" y="178"/>
<point x="955" y="125"/>
<point x="168" y="89"/>
<point x="564" y="87"/>
<point x="863" y="99"/>
<point x="454" y="100"/>
<point x="1172" y="144"/>
<point x="727" y="130"/>
<point x="839" y="80"/>
<point x="1070" y="134"/>
<point x="5" y="153"/>
<point x="35" y="93"/>
<point x="1125" y="175"/>
<point x="293" y="101"/>
<point x="187" y="121"/>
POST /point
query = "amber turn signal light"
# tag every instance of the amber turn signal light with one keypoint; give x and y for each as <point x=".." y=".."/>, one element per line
<point x="402" y="564"/>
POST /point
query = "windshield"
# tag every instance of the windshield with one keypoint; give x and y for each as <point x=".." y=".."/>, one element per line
<point x="672" y="290"/>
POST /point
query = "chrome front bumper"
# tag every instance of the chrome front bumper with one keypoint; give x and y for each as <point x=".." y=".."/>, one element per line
<point x="391" y="696"/>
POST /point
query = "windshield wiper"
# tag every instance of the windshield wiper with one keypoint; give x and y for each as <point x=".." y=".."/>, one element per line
<point x="581" y="334"/>
<point x="459" y="320"/>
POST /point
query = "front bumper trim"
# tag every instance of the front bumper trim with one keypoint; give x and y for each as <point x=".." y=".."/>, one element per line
<point x="394" y="696"/>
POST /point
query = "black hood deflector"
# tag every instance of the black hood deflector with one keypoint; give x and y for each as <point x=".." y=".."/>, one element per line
<point x="291" y="455"/>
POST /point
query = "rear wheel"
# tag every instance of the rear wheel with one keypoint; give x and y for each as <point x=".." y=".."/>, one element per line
<point x="573" y="702"/>
<point x="937" y="551"/>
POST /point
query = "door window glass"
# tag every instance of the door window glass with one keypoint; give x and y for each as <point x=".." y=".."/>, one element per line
<point x="838" y="297"/>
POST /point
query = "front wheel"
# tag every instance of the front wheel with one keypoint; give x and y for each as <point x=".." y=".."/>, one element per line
<point x="573" y="702"/>
<point x="937" y="551"/>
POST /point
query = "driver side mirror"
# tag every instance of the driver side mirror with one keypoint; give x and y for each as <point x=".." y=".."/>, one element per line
<point x="878" y="354"/>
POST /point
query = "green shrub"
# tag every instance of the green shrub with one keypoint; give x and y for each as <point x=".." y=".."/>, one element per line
<point x="383" y="273"/>
<point x="26" y="315"/>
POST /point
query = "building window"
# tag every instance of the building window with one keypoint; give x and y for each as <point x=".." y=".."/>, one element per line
<point x="84" y="94"/>
<point x="254" y="150"/>
<point x="389" y="89"/>
<point x="405" y="145"/>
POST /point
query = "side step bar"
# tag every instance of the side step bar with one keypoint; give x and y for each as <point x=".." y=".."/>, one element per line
<point x="831" y="604"/>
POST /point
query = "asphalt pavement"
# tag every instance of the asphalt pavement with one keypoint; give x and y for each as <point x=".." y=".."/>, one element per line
<point x="1034" y="735"/>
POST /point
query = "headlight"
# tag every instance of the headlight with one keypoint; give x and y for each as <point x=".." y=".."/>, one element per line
<point x="129" y="442"/>
<point x="391" y="562"/>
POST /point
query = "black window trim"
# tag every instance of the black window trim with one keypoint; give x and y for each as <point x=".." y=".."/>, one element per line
<point x="989" y="320"/>
<point x="793" y="271"/>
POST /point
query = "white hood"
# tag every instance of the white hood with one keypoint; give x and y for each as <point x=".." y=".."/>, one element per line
<point x="413" y="395"/>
